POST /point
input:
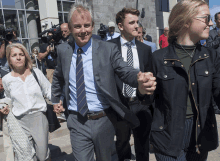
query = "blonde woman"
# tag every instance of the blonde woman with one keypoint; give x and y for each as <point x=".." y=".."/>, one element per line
<point x="188" y="75"/>
<point x="28" y="104"/>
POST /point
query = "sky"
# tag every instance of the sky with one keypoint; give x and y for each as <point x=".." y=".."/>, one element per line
<point x="214" y="2"/>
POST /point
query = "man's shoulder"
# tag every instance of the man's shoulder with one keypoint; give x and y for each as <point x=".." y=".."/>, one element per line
<point x="115" y="40"/>
<point x="63" y="46"/>
<point x="213" y="31"/>
<point x="103" y="43"/>
<point x="142" y="45"/>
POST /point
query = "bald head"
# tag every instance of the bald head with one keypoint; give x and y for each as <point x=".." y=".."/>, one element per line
<point x="166" y="31"/>
<point x="65" y="30"/>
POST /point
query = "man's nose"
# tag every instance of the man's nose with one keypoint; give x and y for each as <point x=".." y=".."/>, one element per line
<point x="83" y="29"/>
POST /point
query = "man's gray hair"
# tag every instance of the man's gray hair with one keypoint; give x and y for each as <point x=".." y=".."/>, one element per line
<point x="79" y="5"/>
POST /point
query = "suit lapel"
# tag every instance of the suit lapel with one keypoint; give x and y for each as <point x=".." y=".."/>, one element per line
<point x="95" y="59"/>
<point x="140" y="55"/>
<point x="118" y="42"/>
<point x="68" y="58"/>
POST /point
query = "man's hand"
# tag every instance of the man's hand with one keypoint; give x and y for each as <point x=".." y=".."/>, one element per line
<point x="5" y="110"/>
<point x="146" y="83"/>
<point x="48" y="49"/>
<point x="58" y="108"/>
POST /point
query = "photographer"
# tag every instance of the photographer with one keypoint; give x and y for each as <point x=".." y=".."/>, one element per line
<point x="11" y="34"/>
<point x="47" y="52"/>
<point x="66" y="36"/>
<point x="102" y="32"/>
<point x="111" y="34"/>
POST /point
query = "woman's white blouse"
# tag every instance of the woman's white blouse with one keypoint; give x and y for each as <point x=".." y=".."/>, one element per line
<point x="26" y="95"/>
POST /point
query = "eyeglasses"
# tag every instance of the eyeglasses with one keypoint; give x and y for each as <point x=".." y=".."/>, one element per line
<point x="208" y="18"/>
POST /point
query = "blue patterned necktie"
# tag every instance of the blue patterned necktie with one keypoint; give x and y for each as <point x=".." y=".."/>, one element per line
<point x="80" y="85"/>
<point x="128" y="90"/>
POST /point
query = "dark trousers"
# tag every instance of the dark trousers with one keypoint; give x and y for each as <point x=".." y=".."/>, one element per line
<point x="188" y="152"/>
<point x="91" y="136"/>
<point x="141" y="134"/>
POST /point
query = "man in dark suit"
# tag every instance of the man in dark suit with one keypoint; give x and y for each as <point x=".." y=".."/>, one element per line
<point x="127" y="21"/>
<point x="213" y="40"/>
<point x="87" y="68"/>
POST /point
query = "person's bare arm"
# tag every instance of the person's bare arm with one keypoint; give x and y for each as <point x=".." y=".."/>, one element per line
<point x="41" y="56"/>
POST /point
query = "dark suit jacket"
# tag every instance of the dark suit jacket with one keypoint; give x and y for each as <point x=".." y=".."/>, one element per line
<point x="213" y="40"/>
<point x="107" y="62"/>
<point x="144" y="55"/>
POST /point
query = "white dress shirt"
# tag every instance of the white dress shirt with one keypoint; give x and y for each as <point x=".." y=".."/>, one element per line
<point x="26" y="95"/>
<point x="136" y="65"/>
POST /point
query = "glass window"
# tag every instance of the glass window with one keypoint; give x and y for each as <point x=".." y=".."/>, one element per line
<point x="60" y="18"/>
<point x="23" y="25"/>
<point x="11" y="4"/>
<point x="25" y="43"/>
<point x="67" y="6"/>
<point x="10" y="18"/>
<point x="66" y="17"/>
<point x="31" y="4"/>
<point x="59" y="6"/>
<point x="1" y="17"/>
<point x="164" y="5"/>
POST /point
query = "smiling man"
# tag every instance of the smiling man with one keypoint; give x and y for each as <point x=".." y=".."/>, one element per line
<point x="87" y="69"/>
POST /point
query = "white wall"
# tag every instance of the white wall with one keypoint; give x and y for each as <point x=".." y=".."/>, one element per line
<point x="48" y="13"/>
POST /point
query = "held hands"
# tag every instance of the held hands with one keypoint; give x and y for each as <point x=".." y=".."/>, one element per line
<point x="58" y="108"/>
<point x="5" y="110"/>
<point x="146" y="83"/>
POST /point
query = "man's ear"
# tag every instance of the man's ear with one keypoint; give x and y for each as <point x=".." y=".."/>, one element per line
<point x="120" y="27"/>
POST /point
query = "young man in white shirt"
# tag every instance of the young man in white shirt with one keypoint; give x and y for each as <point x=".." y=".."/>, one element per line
<point x="137" y="54"/>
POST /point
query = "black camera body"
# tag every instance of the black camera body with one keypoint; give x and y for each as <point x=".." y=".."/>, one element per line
<point x="102" y="31"/>
<point x="6" y="35"/>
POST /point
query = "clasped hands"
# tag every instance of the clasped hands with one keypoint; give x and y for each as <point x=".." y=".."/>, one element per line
<point x="58" y="108"/>
<point x="146" y="83"/>
<point x="5" y="110"/>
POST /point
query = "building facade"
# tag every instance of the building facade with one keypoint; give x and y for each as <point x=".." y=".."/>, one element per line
<point x="31" y="17"/>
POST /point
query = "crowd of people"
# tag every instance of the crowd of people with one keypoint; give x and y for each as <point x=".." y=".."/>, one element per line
<point x="116" y="86"/>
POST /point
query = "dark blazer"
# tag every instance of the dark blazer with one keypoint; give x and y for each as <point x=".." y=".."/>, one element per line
<point x="167" y="132"/>
<point x="144" y="55"/>
<point x="107" y="62"/>
<point x="213" y="40"/>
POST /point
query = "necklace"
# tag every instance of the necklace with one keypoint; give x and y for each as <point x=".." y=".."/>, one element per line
<point x="191" y="55"/>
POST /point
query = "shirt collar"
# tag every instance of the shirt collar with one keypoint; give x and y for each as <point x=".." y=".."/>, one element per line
<point x="123" y="41"/>
<point x="85" y="47"/>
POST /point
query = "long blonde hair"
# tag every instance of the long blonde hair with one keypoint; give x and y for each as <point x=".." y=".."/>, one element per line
<point x="181" y="14"/>
<point x="28" y="62"/>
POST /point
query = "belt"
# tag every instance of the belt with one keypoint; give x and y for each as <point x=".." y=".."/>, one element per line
<point x="91" y="116"/>
<point x="131" y="99"/>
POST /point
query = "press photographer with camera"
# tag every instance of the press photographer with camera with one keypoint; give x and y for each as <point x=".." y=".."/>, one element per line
<point x="11" y="34"/>
<point x="48" y="53"/>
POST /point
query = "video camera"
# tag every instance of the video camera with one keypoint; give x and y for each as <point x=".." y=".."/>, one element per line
<point x="102" y="31"/>
<point x="52" y="40"/>
<point x="6" y="35"/>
